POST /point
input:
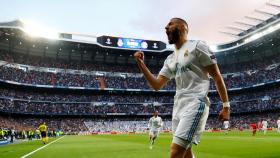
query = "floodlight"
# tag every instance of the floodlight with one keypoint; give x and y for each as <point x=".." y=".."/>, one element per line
<point x="36" y="30"/>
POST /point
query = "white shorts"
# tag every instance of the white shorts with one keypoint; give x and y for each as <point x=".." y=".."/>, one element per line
<point x="154" y="133"/>
<point x="189" y="120"/>
<point x="226" y="127"/>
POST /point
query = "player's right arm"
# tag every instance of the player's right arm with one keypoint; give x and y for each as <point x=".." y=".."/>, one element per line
<point x="155" y="82"/>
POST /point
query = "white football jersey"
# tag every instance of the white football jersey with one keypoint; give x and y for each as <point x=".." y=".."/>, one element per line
<point x="155" y="123"/>
<point x="264" y="123"/>
<point x="278" y="123"/>
<point x="186" y="66"/>
<point x="226" y="124"/>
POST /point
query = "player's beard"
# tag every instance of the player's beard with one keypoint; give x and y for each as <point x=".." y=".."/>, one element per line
<point x="173" y="36"/>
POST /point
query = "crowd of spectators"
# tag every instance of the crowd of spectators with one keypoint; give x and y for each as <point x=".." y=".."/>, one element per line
<point x="247" y="66"/>
<point x="80" y="109"/>
<point x="240" y="122"/>
<point x="57" y="103"/>
<point x="263" y="94"/>
<point x="128" y="98"/>
<point x="57" y="97"/>
<point x="92" y="81"/>
<point x="250" y="106"/>
<point x="248" y="74"/>
<point x="66" y="64"/>
<point x="93" y="108"/>
<point x="68" y="126"/>
<point x="89" y="125"/>
<point x="48" y="78"/>
<point x="90" y="66"/>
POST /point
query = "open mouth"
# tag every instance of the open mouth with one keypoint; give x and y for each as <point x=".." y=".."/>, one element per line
<point x="168" y="33"/>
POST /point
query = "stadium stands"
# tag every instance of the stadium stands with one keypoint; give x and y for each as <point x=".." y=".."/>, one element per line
<point x="78" y="125"/>
<point x="257" y="74"/>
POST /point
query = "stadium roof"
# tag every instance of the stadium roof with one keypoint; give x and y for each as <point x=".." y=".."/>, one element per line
<point x="260" y="17"/>
<point x="142" y="19"/>
<point x="14" y="38"/>
<point x="38" y="31"/>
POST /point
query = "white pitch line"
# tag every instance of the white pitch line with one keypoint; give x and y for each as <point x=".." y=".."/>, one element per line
<point x="41" y="148"/>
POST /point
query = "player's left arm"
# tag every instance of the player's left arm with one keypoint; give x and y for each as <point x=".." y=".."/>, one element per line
<point x="161" y="122"/>
<point x="214" y="72"/>
<point x="209" y="62"/>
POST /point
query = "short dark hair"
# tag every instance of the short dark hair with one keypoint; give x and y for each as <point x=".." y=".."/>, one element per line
<point x="182" y="20"/>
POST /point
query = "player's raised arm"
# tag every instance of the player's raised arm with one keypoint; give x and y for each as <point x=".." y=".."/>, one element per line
<point x="214" y="71"/>
<point x="155" y="82"/>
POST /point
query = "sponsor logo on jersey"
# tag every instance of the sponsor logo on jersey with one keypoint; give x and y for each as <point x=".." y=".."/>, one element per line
<point x="181" y="69"/>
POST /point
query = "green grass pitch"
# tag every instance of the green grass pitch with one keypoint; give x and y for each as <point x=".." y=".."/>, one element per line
<point x="213" y="145"/>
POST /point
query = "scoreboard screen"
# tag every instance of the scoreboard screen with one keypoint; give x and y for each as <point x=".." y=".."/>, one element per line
<point x="130" y="43"/>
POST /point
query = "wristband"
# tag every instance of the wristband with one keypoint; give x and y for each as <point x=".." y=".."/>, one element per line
<point x="226" y="104"/>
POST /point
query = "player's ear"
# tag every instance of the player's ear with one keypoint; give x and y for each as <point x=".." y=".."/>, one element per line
<point x="187" y="30"/>
<point x="181" y="29"/>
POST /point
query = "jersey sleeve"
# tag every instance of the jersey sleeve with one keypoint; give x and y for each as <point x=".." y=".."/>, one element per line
<point x="161" y="122"/>
<point x="165" y="70"/>
<point x="40" y="127"/>
<point x="205" y="56"/>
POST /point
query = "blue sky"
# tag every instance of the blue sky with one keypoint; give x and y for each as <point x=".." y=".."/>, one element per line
<point x="130" y="18"/>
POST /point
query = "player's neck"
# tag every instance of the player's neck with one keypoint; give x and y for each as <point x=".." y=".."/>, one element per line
<point x="180" y="43"/>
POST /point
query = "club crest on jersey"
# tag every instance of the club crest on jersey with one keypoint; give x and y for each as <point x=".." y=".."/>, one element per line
<point x="186" y="53"/>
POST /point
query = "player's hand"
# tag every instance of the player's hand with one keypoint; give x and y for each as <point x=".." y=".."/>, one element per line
<point x="139" y="56"/>
<point x="224" y="114"/>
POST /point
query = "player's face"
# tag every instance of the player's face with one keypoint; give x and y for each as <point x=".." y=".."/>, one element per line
<point x="155" y="113"/>
<point x="174" y="29"/>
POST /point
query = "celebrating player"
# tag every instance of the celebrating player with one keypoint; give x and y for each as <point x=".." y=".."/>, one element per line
<point x="226" y="126"/>
<point x="43" y="129"/>
<point x="264" y="126"/>
<point x="278" y="125"/>
<point x="154" y="125"/>
<point x="190" y="64"/>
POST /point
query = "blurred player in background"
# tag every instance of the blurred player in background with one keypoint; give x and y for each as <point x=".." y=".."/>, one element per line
<point x="43" y="129"/>
<point x="190" y="64"/>
<point x="278" y="125"/>
<point x="38" y="134"/>
<point x="13" y="134"/>
<point x="259" y="126"/>
<point x="254" y="128"/>
<point x="264" y="126"/>
<point x="226" y="126"/>
<point x="155" y="123"/>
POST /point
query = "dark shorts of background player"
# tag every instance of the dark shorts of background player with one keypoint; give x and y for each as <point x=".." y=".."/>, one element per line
<point x="44" y="134"/>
